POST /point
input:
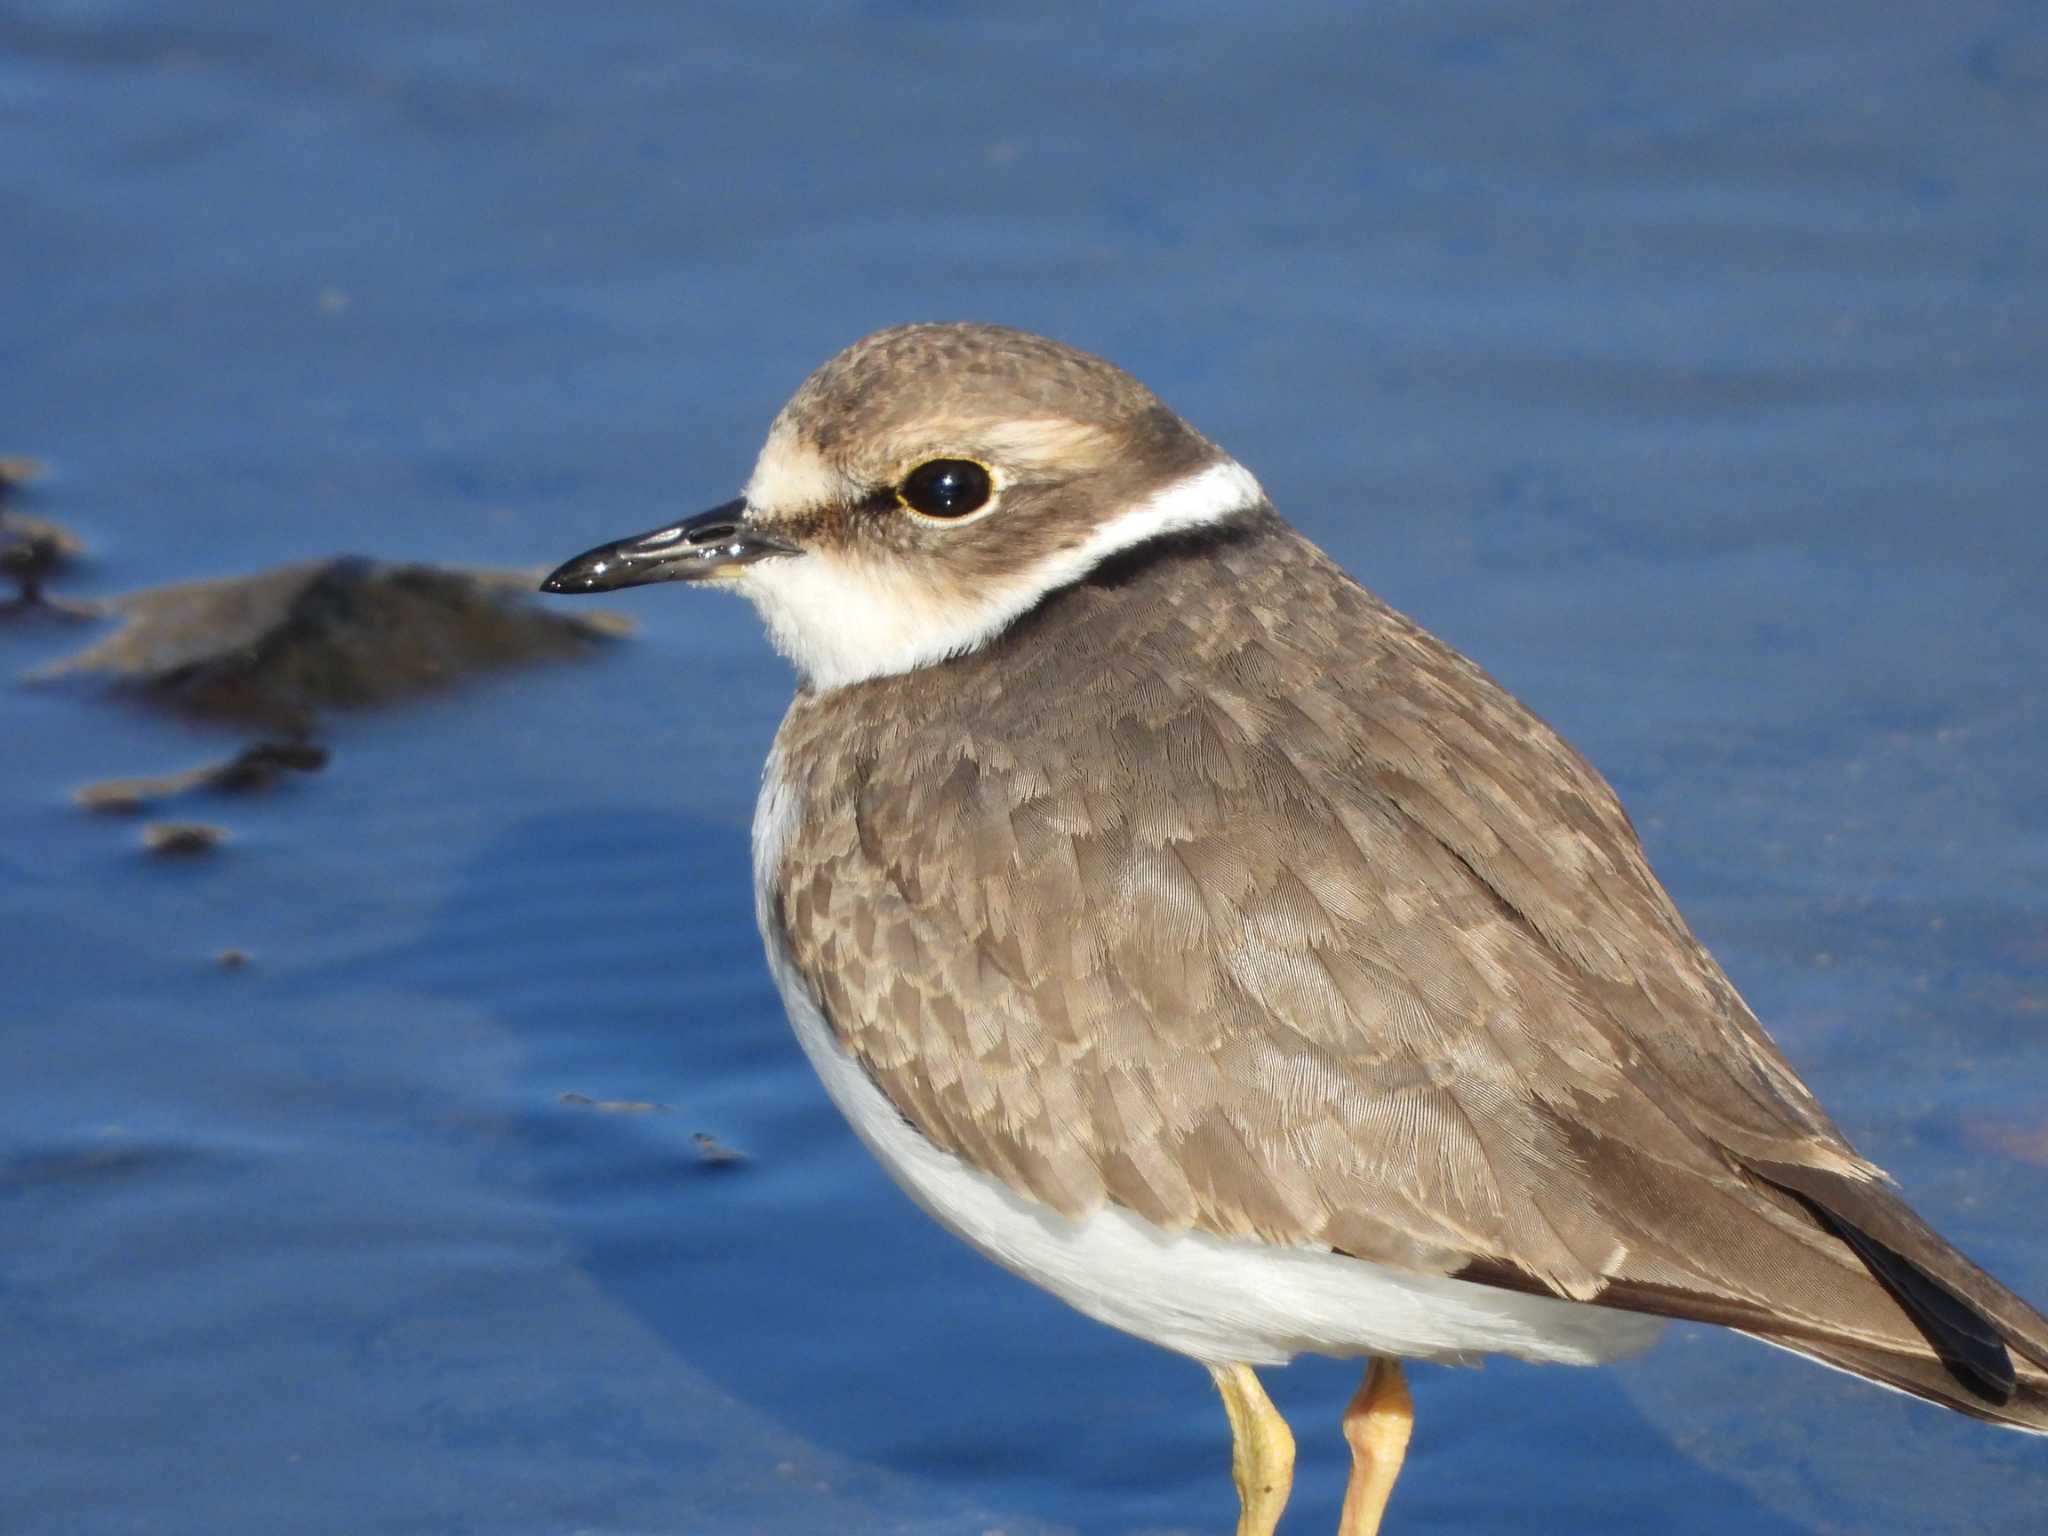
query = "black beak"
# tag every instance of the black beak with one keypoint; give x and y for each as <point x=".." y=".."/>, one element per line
<point x="686" y="551"/>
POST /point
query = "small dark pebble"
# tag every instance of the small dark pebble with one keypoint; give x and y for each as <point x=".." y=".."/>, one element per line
<point x="178" y="839"/>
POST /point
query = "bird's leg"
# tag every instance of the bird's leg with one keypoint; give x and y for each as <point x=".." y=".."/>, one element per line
<point x="1261" y="1450"/>
<point x="1377" y="1424"/>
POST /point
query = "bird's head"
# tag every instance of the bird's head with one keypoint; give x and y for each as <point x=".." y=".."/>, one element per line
<point x="926" y="487"/>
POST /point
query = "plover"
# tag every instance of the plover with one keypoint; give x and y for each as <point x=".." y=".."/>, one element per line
<point x="1202" y="939"/>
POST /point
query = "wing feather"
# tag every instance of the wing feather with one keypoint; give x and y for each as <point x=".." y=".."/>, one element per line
<point x="1297" y="926"/>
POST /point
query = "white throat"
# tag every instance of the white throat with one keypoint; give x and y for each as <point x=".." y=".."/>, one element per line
<point x="842" y="621"/>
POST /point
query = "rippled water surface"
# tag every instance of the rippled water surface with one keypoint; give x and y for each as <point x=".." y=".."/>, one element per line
<point x="1686" y="365"/>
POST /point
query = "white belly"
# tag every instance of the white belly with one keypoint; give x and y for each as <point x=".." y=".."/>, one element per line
<point x="1217" y="1299"/>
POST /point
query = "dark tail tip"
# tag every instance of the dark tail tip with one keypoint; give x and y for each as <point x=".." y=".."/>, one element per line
<point x="1963" y="1337"/>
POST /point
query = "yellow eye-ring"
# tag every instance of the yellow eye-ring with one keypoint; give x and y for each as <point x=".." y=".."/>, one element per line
<point x="946" y="488"/>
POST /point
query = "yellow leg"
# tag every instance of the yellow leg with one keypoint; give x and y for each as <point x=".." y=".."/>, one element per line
<point x="1261" y="1450"/>
<point x="1377" y="1425"/>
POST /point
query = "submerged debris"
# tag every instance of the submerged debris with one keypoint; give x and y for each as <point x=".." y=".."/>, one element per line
<point x="179" y="839"/>
<point x="613" y="1106"/>
<point x="252" y="769"/>
<point x="276" y="648"/>
<point x="714" y="1153"/>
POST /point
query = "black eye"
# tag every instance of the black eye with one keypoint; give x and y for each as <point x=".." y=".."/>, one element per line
<point x="946" y="488"/>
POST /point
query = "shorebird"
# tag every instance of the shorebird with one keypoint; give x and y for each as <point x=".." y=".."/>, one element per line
<point x="1206" y="941"/>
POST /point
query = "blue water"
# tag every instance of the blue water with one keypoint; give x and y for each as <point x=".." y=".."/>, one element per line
<point x="1686" y="365"/>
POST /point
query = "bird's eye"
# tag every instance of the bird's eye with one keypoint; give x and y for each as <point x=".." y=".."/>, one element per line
<point x="946" y="488"/>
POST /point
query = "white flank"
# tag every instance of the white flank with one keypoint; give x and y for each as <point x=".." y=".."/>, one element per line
<point x="1219" y="1300"/>
<point x="843" y="620"/>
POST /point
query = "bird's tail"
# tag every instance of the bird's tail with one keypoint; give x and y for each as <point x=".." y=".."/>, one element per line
<point x="1979" y="1349"/>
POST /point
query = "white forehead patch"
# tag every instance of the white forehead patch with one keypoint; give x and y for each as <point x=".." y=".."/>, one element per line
<point x="791" y="476"/>
<point x="843" y="618"/>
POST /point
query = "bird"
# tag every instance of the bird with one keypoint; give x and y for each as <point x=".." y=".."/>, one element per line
<point x="1204" y="940"/>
